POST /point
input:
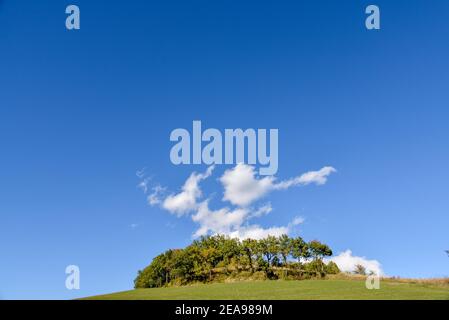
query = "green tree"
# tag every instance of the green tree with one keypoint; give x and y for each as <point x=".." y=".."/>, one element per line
<point x="249" y="248"/>
<point x="332" y="268"/>
<point x="230" y="249"/>
<point x="299" y="249"/>
<point x="285" y="247"/>
<point x="316" y="267"/>
<point x="359" y="269"/>
<point x="319" y="250"/>
<point x="269" y="247"/>
<point x="157" y="273"/>
<point x="209" y="258"/>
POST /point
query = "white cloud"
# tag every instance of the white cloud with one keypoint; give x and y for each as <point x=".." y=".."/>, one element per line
<point x="263" y="210"/>
<point x="141" y="173"/>
<point x="186" y="200"/>
<point x="242" y="187"/>
<point x="155" y="197"/>
<point x="231" y="222"/>
<point x="143" y="185"/>
<point x="257" y="232"/>
<point x="318" y="177"/>
<point x="347" y="262"/>
<point x="222" y="221"/>
<point x="144" y="180"/>
<point x="297" y="221"/>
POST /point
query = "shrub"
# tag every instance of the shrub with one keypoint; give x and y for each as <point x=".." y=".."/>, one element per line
<point x="332" y="268"/>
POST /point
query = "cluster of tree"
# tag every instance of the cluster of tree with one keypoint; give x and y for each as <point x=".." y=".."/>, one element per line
<point x="208" y="257"/>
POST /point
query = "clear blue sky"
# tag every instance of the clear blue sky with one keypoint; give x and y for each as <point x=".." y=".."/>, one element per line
<point x="82" y="111"/>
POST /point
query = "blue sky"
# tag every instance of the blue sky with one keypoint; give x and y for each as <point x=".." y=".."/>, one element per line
<point x="82" y="111"/>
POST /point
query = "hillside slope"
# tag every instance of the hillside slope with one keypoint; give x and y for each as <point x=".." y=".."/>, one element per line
<point x="288" y="290"/>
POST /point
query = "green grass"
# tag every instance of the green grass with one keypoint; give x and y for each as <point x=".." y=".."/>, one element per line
<point x="288" y="290"/>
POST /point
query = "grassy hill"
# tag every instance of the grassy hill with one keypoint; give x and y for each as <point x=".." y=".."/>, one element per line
<point x="336" y="289"/>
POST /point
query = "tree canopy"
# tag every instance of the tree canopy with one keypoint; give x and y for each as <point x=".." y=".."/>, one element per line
<point x="217" y="257"/>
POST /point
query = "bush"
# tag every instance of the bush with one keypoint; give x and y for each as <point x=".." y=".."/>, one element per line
<point x="332" y="268"/>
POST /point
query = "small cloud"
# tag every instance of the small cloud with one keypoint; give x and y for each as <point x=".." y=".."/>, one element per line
<point x="141" y="173"/>
<point x="264" y="210"/>
<point x="297" y="221"/>
<point x="222" y="221"/>
<point x="186" y="201"/>
<point x="242" y="187"/>
<point x="143" y="184"/>
<point x="155" y="197"/>
<point x="347" y="262"/>
<point x="317" y="177"/>
<point x="256" y="232"/>
<point x="133" y="225"/>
